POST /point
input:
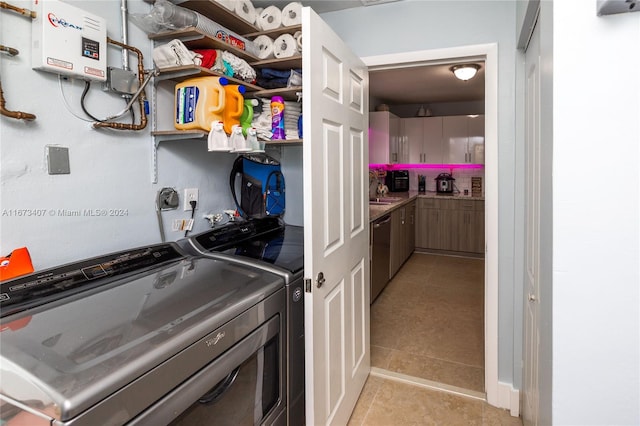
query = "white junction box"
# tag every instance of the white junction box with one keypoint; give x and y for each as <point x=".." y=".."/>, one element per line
<point x="69" y="41"/>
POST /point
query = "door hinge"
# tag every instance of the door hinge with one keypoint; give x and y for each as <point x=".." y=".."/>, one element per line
<point x="307" y="285"/>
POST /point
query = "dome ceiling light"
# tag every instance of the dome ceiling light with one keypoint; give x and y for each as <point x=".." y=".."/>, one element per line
<point x="465" y="72"/>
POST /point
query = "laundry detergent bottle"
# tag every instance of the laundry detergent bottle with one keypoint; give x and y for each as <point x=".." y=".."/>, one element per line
<point x="199" y="102"/>
<point x="247" y="114"/>
<point x="233" y="106"/>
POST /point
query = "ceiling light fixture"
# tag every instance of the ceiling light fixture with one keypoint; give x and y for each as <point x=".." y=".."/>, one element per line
<point x="465" y="72"/>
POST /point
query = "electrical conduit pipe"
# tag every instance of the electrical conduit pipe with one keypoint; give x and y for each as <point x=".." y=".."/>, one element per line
<point x="141" y="96"/>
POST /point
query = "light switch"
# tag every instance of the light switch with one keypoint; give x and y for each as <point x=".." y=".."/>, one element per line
<point x="58" y="160"/>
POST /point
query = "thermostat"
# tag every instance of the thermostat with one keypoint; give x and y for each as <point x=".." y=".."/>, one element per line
<point x="69" y="41"/>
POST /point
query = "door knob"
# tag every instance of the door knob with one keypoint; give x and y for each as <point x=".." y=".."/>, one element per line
<point x="532" y="298"/>
<point x="320" y="280"/>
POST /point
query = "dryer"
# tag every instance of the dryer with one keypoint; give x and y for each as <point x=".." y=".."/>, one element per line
<point x="269" y="244"/>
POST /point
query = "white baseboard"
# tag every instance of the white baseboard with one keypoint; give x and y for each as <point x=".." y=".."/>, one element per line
<point x="509" y="398"/>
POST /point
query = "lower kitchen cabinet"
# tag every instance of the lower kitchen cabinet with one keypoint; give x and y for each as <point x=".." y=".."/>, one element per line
<point x="469" y="226"/>
<point x="410" y="230"/>
<point x="402" y="236"/>
<point x="450" y="225"/>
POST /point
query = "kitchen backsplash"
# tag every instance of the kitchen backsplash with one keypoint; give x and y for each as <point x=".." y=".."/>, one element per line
<point x="462" y="178"/>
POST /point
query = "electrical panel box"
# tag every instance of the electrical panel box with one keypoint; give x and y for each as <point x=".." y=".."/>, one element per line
<point x="69" y="41"/>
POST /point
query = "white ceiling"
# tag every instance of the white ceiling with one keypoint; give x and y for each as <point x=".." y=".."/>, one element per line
<point x="425" y="84"/>
<point x="417" y="85"/>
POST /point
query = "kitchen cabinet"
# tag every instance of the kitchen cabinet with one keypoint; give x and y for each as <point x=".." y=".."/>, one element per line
<point x="433" y="229"/>
<point x="422" y="137"/>
<point x="384" y="135"/>
<point x="468" y="226"/>
<point x="402" y="236"/>
<point x="463" y="139"/>
<point x="451" y="225"/>
<point x="398" y="237"/>
<point x="410" y="230"/>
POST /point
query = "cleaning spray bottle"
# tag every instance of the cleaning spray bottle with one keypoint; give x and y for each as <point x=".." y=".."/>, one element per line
<point x="233" y="106"/>
<point x="247" y="114"/>
<point x="218" y="139"/>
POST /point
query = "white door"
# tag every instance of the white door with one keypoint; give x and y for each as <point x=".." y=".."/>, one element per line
<point x="532" y="226"/>
<point x="336" y="223"/>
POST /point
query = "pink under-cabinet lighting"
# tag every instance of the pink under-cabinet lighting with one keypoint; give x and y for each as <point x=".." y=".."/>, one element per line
<point x="426" y="166"/>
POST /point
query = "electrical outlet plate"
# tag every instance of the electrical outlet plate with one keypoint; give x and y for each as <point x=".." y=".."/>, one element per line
<point x="190" y="194"/>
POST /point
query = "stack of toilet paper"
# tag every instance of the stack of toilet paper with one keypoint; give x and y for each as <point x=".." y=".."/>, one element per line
<point x="285" y="46"/>
<point x="271" y="17"/>
<point x="266" y="19"/>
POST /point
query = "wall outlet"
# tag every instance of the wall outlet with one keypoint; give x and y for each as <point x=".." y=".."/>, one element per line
<point x="190" y="194"/>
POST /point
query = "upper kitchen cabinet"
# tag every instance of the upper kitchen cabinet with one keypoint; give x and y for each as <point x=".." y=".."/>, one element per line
<point x="463" y="139"/>
<point x="384" y="135"/>
<point x="422" y="137"/>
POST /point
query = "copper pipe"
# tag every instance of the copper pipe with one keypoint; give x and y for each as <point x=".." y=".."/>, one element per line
<point x="141" y="98"/>
<point x="10" y="50"/>
<point x="21" y="11"/>
<point x="19" y="115"/>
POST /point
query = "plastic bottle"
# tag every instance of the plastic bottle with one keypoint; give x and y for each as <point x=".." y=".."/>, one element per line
<point x="199" y="102"/>
<point x="237" y="141"/>
<point x="277" y="118"/>
<point x="247" y="114"/>
<point x="218" y="139"/>
<point x="233" y="106"/>
<point x="252" y="140"/>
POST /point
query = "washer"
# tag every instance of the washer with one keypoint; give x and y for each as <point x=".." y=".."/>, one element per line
<point x="145" y="336"/>
<point x="273" y="246"/>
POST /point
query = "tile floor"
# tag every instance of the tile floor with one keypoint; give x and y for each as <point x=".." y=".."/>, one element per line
<point x="427" y="326"/>
<point x="429" y="321"/>
<point x="390" y="403"/>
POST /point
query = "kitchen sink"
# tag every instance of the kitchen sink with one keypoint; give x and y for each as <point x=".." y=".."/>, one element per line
<point x="384" y="200"/>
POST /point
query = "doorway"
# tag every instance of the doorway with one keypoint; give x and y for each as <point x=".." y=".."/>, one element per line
<point x="488" y="54"/>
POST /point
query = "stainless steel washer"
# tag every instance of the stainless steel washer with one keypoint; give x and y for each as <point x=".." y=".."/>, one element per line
<point x="146" y="336"/>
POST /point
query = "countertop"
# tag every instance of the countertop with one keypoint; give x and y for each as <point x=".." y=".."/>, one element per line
<point x="377" y="211"/>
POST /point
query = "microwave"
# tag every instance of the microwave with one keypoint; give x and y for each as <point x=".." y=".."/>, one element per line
<point x="397" y="180"/>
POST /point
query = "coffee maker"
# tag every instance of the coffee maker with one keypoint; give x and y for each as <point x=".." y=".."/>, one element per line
<point x="444" y="183"/>
<point x="422" y="185"/>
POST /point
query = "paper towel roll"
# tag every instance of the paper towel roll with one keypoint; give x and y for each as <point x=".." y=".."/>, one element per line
<point x="298" y="37"/>
<point x="227" y="4"/>
<point x="265" y="46"/>
<point x="285" y="46"/>
<point x="292" y="14"/>
<point x="245" y="10"/>
<point x="270" y="18"/>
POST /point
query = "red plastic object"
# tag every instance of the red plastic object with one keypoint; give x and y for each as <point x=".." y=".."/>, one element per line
<point x="17" y="263"/>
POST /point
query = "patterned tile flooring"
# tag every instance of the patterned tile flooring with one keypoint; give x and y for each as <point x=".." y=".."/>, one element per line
<point x="428" y="324"/>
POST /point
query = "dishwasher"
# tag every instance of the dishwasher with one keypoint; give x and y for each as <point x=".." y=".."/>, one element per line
<point x="380" y="254"/>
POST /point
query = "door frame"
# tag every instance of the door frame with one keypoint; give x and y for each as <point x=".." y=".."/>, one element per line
<point x="489" y="54"/>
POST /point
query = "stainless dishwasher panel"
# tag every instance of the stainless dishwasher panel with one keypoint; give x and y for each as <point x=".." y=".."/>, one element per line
<point x="380" y="255"/>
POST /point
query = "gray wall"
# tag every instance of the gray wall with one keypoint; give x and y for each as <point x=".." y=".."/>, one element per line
<point x="109" y="169"/>
<point x="421" y="25"/>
